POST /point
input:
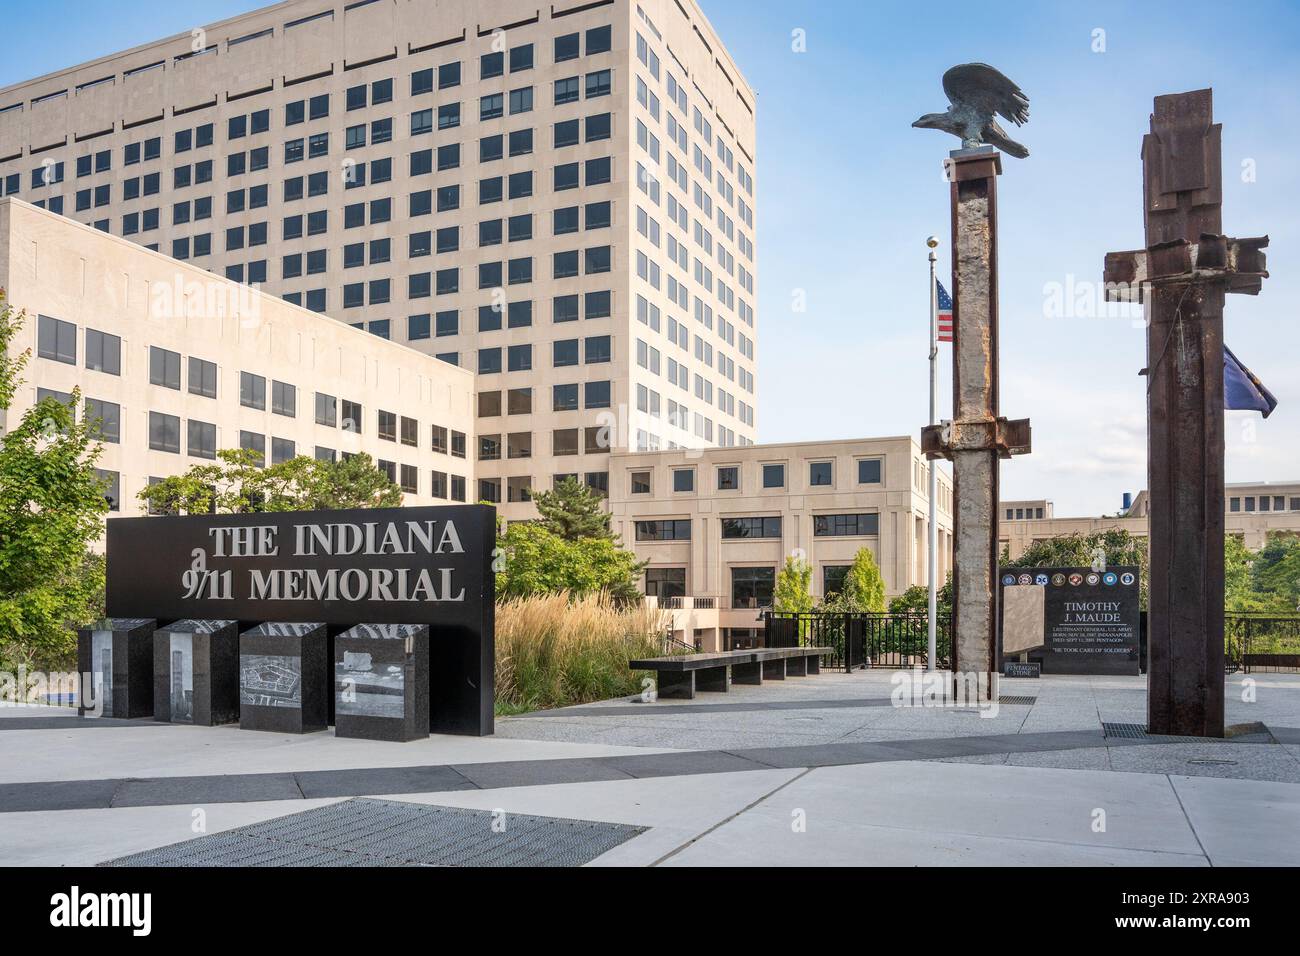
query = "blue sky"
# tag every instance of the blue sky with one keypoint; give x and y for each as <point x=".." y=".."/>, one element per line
<point x="848" y="192"/>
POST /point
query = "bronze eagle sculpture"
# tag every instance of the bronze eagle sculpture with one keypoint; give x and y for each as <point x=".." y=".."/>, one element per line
<point x="977" y="93"/>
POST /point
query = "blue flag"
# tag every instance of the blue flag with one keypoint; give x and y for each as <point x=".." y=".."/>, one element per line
<point x="1242" y="391"/>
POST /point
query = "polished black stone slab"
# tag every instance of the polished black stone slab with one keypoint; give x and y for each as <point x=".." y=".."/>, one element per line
<point x="284" y="678"/>
<point x="381" y="682"/>
<point x="196" y="672"/>
<point x="117" y="656"/>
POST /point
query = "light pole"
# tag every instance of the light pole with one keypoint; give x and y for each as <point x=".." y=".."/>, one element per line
<point x="933" y="540"/>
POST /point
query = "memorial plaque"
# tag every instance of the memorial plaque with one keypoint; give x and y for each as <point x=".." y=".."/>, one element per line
<point x="196" y="672"/>
<point x="425" y="566"/>
<point x="117" y="653"/>
<point x="284" y="682"/>
<point x="1090" y="618"/>
<point x="381" y="682"/>
<point x="1021" y="669"/>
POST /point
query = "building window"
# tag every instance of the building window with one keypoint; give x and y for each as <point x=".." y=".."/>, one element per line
<point x="255" y="443"/>
<point x="112" y="482"/>
<point x="752" y="587"/>
<point x="869" y="471"/>
<point x="665" y="582"/>
<point x="327" y="410"/>
<point x="564" y="441"/>
<point x="671" y="529"/>
<point x="640" y="481"/>
<point x="846" y="525"/>
<point x="833" y="576"/>
<point x="774" y="476"/>
<point x="104" y="419"/>
<point x="729" y="478"/>
<point x="284" y="399"/>
<point x="819" y="473"/>
<point x="252" y="391"/>
<point x="683" y="479"/>
<point x="56" y="340"/>
<point x="203" y="378"/>
<point x="410" y="479"/>
<point x="103" y="352"/>
<point x="519" y="401"/>
<point x="751" y="527"/>
<point x="282" y="450"/>
<point x="164" y="368"/>
<point x="164" y="432"/>
<point x="202" y="439"/>
<point x="438" y="485"/>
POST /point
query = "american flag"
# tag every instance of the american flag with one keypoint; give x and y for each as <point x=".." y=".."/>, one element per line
<point x="945" y="313"/>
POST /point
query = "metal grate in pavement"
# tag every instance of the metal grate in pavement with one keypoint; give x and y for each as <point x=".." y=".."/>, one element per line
<point x="1013" y="699"/>
<point x="366" y="832"/>
<point x="1136" y="731"/>
<point x="1139" y="732"/>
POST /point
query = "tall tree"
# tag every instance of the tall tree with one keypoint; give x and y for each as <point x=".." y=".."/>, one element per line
<point x="236" y="484"/>
<point x="52" y="506"/>
<point x="572" y="548"/>
<point x="538" y="561"/>
<point x="863" y="588"/>
<point x="1275" y="572"/>
<point x="916" y="600"/>
<point x="573" y="511"/>
<point x="793" y="591"/>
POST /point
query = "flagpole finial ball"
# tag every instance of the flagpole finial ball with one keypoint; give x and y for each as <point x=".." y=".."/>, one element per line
<point x="932" y="242"/>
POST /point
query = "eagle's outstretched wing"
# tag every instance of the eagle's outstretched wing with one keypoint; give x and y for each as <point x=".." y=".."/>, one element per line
<point x="995" y="135"/>
<point x="981" y="86"/>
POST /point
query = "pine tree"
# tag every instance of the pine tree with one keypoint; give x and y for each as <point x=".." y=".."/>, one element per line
<point x="573" y="512"/>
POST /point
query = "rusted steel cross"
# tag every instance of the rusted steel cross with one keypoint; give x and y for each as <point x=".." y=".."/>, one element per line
<point x="977" y="437"/>
<point x="1182" y="276"/>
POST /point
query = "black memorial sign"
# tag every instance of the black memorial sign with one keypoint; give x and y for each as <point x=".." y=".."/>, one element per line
<point x="378" y="566"/>
<point x="1091" y="617"/>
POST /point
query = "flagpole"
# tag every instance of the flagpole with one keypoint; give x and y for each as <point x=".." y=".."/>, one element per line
<point x="933" y="541"/>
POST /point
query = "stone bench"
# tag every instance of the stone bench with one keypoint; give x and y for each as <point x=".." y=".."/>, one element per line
<point x="682" y="675"/>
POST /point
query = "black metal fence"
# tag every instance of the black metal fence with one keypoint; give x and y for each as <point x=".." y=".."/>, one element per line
<point x="861" y="640"/>
<point x="1252" y="642"/>
<point x="1267" y="642"/>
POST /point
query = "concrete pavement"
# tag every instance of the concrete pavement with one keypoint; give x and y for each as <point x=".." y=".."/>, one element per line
<point x="819" y="771"/>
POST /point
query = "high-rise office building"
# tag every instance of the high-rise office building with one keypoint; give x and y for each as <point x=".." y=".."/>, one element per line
<point x="559" y="199"/>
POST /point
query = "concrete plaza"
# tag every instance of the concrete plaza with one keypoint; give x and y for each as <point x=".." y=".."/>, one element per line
<point x="820" y="770"/>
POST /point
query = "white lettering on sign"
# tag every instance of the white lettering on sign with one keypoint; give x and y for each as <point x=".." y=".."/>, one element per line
<point x="355" y="584"/>
<point x="369" y="538"/>
<point x="1092" y="612"/>
<point x="340" y="539"/>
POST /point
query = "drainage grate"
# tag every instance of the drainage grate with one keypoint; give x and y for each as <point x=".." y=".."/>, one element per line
<point x="1139" y="732"/>
<point x="1124" y="730"/>
<point x="365" y="832"/>
<point x="1017" y="700"/>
